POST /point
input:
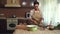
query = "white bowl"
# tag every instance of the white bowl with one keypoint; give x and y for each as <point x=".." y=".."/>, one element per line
<point x="31" y="25"/>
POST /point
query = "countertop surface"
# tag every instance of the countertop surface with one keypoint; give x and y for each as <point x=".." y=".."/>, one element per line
<point x="13" y="18"/>
<point x="19" y="31"/>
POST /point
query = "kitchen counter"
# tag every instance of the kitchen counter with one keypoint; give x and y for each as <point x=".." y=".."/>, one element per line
<point x="2" y="18"/>
<point x="19" y="31"/>
<point x="12" y="18"/>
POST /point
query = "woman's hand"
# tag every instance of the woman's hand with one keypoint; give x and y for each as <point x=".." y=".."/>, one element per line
<point x="34" y="21"/>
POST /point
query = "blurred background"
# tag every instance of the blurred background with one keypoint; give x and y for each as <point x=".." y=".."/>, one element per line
<point x="13" y="12"/>
<point x="51" y="11"/>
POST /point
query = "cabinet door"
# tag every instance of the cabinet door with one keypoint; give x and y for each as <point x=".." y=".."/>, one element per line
<point x="2" y="2"/>
<point x="2" y="25"/>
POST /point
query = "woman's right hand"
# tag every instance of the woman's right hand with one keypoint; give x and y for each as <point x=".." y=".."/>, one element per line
<point x="33" y="21"/>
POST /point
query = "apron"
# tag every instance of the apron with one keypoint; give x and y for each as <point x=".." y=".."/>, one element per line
<point x="37" y="17"/>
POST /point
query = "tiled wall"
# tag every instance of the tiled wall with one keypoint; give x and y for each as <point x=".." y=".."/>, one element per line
<point x="11" y="11"/>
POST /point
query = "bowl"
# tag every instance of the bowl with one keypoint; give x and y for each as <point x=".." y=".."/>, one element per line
<point x="32" y="27"/>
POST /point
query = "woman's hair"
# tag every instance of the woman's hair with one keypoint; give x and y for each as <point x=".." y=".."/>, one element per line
<point x="36" y="2"/>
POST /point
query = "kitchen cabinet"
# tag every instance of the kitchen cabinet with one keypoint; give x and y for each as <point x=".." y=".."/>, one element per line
<point x="7" y="25"/>
<point x="2" y="25"/>
<point x="12" y="3"/>
<point x="2" y="3"/>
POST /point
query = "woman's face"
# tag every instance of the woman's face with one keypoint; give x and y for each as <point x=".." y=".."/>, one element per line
<point x="36" y="6"/>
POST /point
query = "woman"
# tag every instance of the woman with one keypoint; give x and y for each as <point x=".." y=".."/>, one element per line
<point x="36" y="15"/>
